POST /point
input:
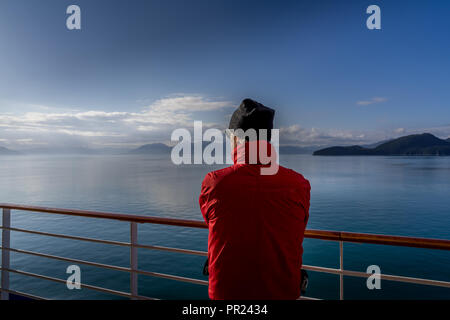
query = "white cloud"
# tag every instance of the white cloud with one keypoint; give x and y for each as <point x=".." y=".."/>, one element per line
<point x="295" y="134"/>
<point x="371" y="101"/>
<point x="96" y="127"/>
<point x="187" y="103"/>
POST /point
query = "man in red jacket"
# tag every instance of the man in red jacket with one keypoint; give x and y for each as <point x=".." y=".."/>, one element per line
<point x="256" y="221"/>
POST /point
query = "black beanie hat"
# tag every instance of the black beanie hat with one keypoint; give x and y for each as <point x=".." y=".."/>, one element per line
<point x="252" y="115"/>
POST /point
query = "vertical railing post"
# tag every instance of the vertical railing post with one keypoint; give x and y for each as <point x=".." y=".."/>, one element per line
<point x="6" y="242"/>
<point x="341" y="267"/>
<point x="133" y="259"/>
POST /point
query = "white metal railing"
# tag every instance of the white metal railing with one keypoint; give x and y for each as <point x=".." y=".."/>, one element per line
<point x="133" y="270"/>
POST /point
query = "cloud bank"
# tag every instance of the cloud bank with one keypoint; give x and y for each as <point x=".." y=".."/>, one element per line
<point x="155" y="123"/>
<point x="106" y="129"/>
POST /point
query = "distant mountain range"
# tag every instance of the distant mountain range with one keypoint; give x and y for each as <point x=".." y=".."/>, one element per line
<point x="60" y="150"/>
<point x="376" y="144"/>
<point x="6" y="151"/>
<point x="417" y="144"/>
<point x="297" y="150"/>
<point x="152" y="148"/>
<point x="158" y="148"/>
<point x="424" y="144"/>
<point x="161" y="148"/>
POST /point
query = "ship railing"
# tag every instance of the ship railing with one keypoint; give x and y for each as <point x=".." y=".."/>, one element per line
<point x="133" y="245"/>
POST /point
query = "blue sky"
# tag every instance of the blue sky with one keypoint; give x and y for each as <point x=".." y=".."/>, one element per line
<point x="138" y="69"/>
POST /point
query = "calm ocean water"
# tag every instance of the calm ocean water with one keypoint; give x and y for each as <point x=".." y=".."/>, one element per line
<point x="389" y="195"/>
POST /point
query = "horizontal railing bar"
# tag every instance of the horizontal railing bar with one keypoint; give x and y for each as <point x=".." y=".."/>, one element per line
<point x="87" y="286"/>
<point x="441" y="244"/>
<point x="178" y="250"/>
<point x="109" y="215"/>
<point x="322" y="269"/>
<point x="107" y="266"/>
<point x="172" y="277"/>
<point x="49" y="256"/>
<point x="389" y="277"/>
<point x="145" y="298"/>
<point x="23" y="294"/>
<point x="64" y="236"/>
<point x="382" y="239"/>
<point x="118" y="243"/>
<point x="139" y="297"/>
<point x="308" y="298"/>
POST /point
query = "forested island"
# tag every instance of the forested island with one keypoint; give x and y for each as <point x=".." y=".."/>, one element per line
<point x="424" y="144"/>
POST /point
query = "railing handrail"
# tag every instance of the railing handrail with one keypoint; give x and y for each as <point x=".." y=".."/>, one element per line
<point x="133" y="245"/>
<point x="403" y="241"/>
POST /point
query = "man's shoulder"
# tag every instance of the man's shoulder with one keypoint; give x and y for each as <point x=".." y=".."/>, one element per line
<point x="294" y="177"/>
<point x="214" y="177"/>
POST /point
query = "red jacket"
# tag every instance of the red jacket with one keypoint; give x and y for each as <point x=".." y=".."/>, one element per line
<point x="256" y="227"/>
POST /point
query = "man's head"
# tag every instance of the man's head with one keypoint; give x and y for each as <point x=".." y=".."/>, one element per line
<point x="252" y="115"/>
<point x="253" y="122"/>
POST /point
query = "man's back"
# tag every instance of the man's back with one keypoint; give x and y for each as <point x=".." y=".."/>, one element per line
<point x="256" y="227"/>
